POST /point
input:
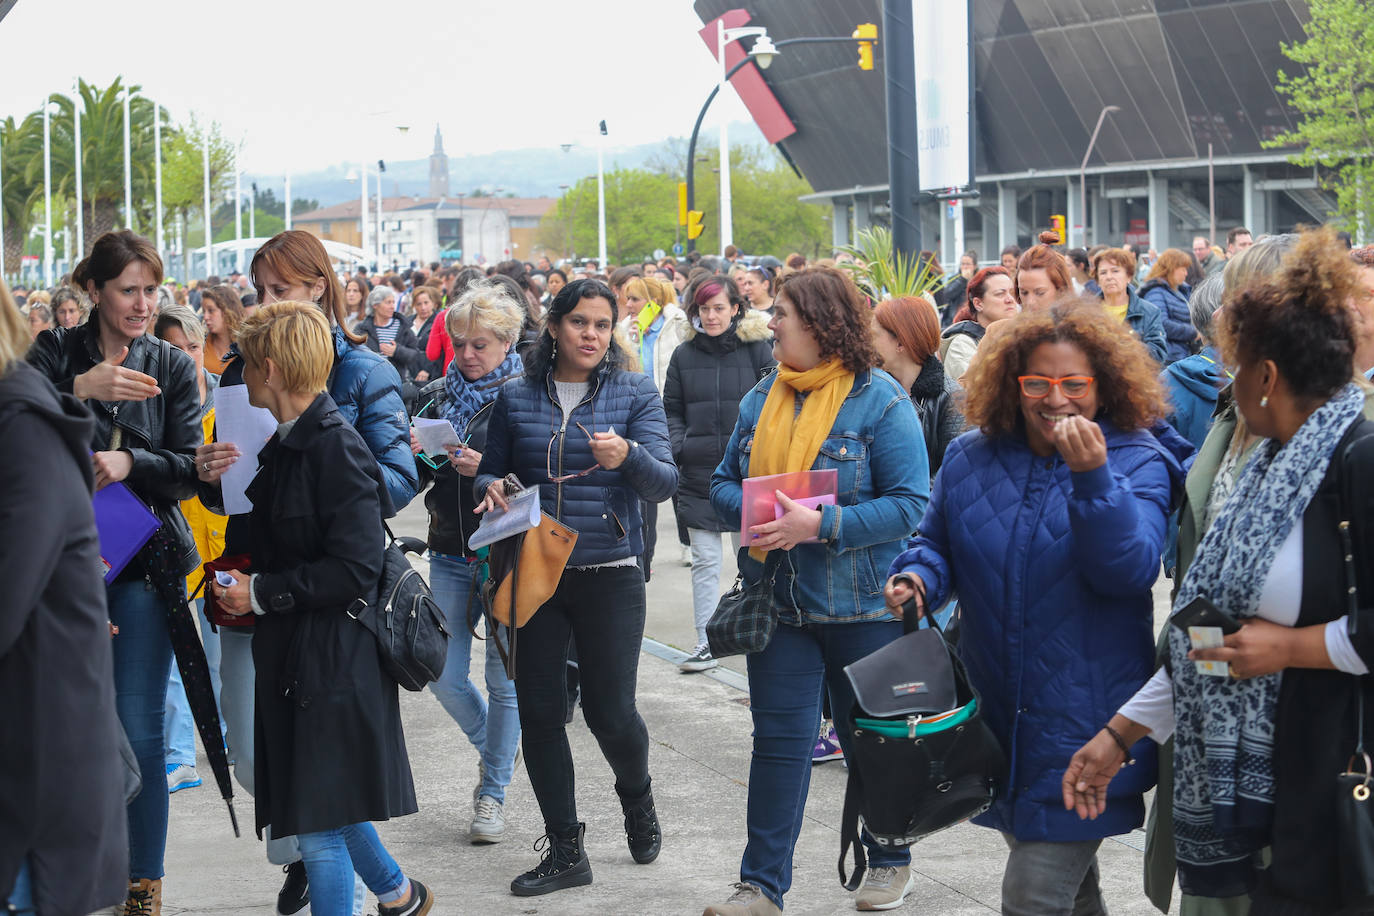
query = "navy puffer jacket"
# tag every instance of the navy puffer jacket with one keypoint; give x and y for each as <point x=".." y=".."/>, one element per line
<point x="1175" y="315"/>
<point x="602" y="507"/>
<point x="1053" y="571"/>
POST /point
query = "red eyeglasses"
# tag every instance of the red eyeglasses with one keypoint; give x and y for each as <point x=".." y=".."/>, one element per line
<point x="1073" y="387"/>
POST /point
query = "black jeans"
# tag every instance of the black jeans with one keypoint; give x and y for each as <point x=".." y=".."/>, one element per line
<point x="603" y="609"/>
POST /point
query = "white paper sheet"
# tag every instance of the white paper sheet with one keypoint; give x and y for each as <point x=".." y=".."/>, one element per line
<point x="522" y="515"/>
<point x="249" y="428"/>
<point x="433" y="435"/>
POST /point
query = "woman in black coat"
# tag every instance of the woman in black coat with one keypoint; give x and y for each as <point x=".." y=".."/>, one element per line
<point x="906" y="332"/>
<point x="64" y="844"/>
<point x="330" y="756"/>
<point x="399" y="345"/>
<point x="726" y="352"/>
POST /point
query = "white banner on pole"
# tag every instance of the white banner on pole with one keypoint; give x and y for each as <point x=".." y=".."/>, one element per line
<point x="943" y="94"/>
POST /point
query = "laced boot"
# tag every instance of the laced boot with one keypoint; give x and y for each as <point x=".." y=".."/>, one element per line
<point x="144" y="899"/>
<point x="641" y="827"/>
<point x="564" y="865"/>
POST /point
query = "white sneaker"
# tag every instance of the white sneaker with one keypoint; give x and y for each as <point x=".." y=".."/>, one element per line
<point x="885" y="888"/>
<point x="489" y="825"/>
<point x="699" y="660"/>
<point x="686" y="555"/>
<point x="180" y="776"/>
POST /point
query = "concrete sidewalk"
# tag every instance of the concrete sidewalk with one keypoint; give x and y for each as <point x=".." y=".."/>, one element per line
<point x="699" y="757"/>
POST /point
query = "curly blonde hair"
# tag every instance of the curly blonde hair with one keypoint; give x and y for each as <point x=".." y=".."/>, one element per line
<point x="1129" y="392"/>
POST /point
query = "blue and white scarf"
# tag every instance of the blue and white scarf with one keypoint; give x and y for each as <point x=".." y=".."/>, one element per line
<point x="466" y="398"/>
<point x="1224" y="732"/>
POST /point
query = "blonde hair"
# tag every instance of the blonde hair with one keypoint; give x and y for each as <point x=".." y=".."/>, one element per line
<point x="296" y="337"/>
<point x="182" y="317"/>
<point x="39" y="297"/>
<point x="486" y="305"/>
<point x="14" y="331"/>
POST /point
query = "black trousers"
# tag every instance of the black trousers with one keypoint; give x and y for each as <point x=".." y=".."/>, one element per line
<point x="603" y="610"/>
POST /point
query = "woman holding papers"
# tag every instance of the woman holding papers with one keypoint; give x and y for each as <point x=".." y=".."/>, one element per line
<point x="592" y="437"/>
<point x="1286" y="689"/>
<point x="331" y="755"/>
<point x="484" y="325"/>
<point x="147" y="410"/>
<point x="1046" y="524"/>
<point x="826" y="408"/>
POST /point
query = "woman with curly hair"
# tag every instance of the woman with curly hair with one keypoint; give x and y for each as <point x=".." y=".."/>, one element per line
<point x="1283" y="714"/>
<point x="1047" y="524"/>
<point x="827" y="406"/>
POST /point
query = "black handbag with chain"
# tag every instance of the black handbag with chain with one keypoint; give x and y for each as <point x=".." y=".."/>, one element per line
<point x="745" y="618"/>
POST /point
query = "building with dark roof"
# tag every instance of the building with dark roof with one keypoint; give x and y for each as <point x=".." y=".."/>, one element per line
<point x="1189" y="77"/>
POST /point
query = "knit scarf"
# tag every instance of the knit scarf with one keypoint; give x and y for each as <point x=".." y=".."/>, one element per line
<point x="1224" y="731"/>
<point x="786" y="439"/>
<point x="466" y="398"/>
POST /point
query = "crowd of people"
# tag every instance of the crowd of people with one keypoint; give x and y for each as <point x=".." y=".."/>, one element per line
<point x="1020" y="450"/>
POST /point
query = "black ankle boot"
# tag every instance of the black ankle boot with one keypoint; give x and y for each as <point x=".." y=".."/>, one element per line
<point x="564" y="865"/>
<point x="641" y="827"/>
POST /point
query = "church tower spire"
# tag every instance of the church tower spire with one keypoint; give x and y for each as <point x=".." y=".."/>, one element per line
<point x="438" y="167"/>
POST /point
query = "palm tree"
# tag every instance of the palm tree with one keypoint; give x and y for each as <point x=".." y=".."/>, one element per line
<point x="18" y="142"/>
<point x="102" y="155"/>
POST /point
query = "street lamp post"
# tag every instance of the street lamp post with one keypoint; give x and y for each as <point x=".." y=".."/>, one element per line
<point x="205" y="188"/>
<point x="567" y="237"/>
<point x="1083" y="172"/>
<point x="362" y="209"/>
<point x="238" y="218"/>
<point x="253" y="212"/>
<point x="157" y="177"/>
<point x="381" y="167"/>
<point x="600" y="199"/>
<point x="128" y="168"/>
<point x="47" y="191"/>
<point x="77" y="155"/>
<point x="723" y="37"/>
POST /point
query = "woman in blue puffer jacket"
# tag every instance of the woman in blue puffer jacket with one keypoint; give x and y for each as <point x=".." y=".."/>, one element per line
<point x="1047" y="524"/>
<point x="1167" y="289"/>
<point x="593" y="437"/>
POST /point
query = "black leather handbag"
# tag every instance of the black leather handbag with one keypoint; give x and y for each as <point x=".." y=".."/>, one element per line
<point x="744" y="620"/>
<point x="922" y="758"/>
<point x="405" y="619"/>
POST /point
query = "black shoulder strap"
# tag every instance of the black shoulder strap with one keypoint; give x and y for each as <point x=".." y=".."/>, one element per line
<point x="849" y="831"/>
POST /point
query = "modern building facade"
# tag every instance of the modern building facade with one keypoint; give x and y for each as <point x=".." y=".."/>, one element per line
<point x="1194" y="82"/>
<point x="420" y="230"/>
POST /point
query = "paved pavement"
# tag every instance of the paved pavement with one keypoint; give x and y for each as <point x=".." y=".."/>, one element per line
<point x="699" y="757"/>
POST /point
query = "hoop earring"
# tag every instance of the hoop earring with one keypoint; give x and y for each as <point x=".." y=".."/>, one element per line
<point x="1264" y="401"/>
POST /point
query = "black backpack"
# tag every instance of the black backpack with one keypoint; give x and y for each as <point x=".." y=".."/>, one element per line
<point x="405" y="619"/>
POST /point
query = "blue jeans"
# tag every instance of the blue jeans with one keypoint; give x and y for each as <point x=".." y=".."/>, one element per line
<point x="785" y="684"/>
<point x="332" y="856"/>
<point x="492" y="725"/>
<point x="180" y="725"/>
<point x="21" y="898"/>
<point x="142" y="658"/>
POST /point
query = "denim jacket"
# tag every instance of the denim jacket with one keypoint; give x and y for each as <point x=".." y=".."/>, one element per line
<point x="883" y="486"/>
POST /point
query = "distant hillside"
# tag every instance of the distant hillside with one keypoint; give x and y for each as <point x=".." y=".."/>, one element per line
<point x="535" y="172"/>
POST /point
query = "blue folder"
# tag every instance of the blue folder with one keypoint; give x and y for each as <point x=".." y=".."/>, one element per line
<point x="124" y="525"/>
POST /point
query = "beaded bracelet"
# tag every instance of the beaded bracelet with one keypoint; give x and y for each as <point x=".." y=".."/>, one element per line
<point x="1121" y="743"/>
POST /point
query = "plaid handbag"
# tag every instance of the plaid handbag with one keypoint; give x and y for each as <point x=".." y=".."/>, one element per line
<point x="744" y="620"/>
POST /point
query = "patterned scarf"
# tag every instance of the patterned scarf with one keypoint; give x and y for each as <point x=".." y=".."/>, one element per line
<point x="466" y="398"/>
<point x="1224" y="733"/>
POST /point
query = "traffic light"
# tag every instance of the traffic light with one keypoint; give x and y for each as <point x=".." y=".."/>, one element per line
<point x="682" y="203"/>
<point x="865" y="33"/>
<point x="694" y="226"/>
<point x="1060" y="227"/>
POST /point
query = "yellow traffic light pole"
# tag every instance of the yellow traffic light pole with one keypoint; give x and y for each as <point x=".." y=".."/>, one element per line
<point x="867" y="36"/>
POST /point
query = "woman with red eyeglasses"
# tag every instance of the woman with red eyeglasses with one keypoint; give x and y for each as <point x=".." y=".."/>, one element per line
<point x="1046" y="522"/>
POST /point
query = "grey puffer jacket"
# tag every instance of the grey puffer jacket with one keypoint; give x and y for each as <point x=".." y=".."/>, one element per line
<point x="526" y="428"/>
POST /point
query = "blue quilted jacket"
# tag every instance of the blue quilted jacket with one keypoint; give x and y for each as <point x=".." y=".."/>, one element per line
<point x="367" y="391"/>
<point x="602" y="507"/>
<point x="1053" y="571"/>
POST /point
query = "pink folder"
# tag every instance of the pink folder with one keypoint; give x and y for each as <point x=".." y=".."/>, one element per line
<point x="760" y="505"/>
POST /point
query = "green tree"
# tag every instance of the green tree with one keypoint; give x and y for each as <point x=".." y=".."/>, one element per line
<point x="766" y="215"/>
<point x="641" y="215"/>
<point x="183" y="174"/>
<point x="1334" y="96"/>
<point x="17" y="140"/>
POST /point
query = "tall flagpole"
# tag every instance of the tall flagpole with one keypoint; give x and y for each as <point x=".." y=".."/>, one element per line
<point x="128" y="169"/>
<point x="47" y="191"/>
<point x="2" y="223"/>
<point x="78" y="100"/>
<point x="157" y="177"/>
<point x="209" y="235"/>
<point x="238" y="219"/>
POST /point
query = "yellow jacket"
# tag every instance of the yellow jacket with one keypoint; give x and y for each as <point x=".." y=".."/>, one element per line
<point x="206" y="526"/>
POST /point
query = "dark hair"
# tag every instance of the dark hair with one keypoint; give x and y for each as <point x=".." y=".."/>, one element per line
<point x="462" y="280"/>
<point x="621" y="275"/>
<point x="230" y="306"/>
<point x="517" y="271"/>
<point x="731" y="251"/>
<point x="1129" y="392"/>
<point x="560" y="273"/>
<point x="835" y="312"/>
<point x="539" y="358"/>
<point x="111" y="253"/>
<point x="1300" y="319"/>
<point x="1013" y="250"/>
<point x="698" y="293"/>
<point x="796" y="261"/>
<point x="1079" y="256"/>
<point x="765" y="274"/>
<point x="1231" y="236"/>
<point x="977" y="289"/>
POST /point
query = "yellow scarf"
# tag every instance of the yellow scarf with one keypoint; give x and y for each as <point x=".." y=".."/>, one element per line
<point x="788" y="440"/>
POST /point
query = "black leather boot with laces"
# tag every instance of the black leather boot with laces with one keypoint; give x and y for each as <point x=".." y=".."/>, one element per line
<point x="564" y="865"/>
<point x="641" y="827"/>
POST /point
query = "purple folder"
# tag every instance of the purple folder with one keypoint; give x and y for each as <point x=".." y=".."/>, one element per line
<point x="124" y="525"/>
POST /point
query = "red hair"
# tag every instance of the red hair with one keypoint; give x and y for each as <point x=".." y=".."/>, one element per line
<point x="912" y="321"/>
<point x="977" y="288"/>
<point x="1043" y="257"/>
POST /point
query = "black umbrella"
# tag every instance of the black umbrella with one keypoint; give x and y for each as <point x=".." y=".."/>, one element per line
<point x="162" y="554"/>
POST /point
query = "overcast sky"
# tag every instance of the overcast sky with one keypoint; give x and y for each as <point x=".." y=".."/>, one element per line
<point x="309" y="84"/>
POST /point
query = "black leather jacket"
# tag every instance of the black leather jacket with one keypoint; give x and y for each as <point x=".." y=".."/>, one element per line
<point x="450" y="499"/>
<point x="160" y="434"/>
